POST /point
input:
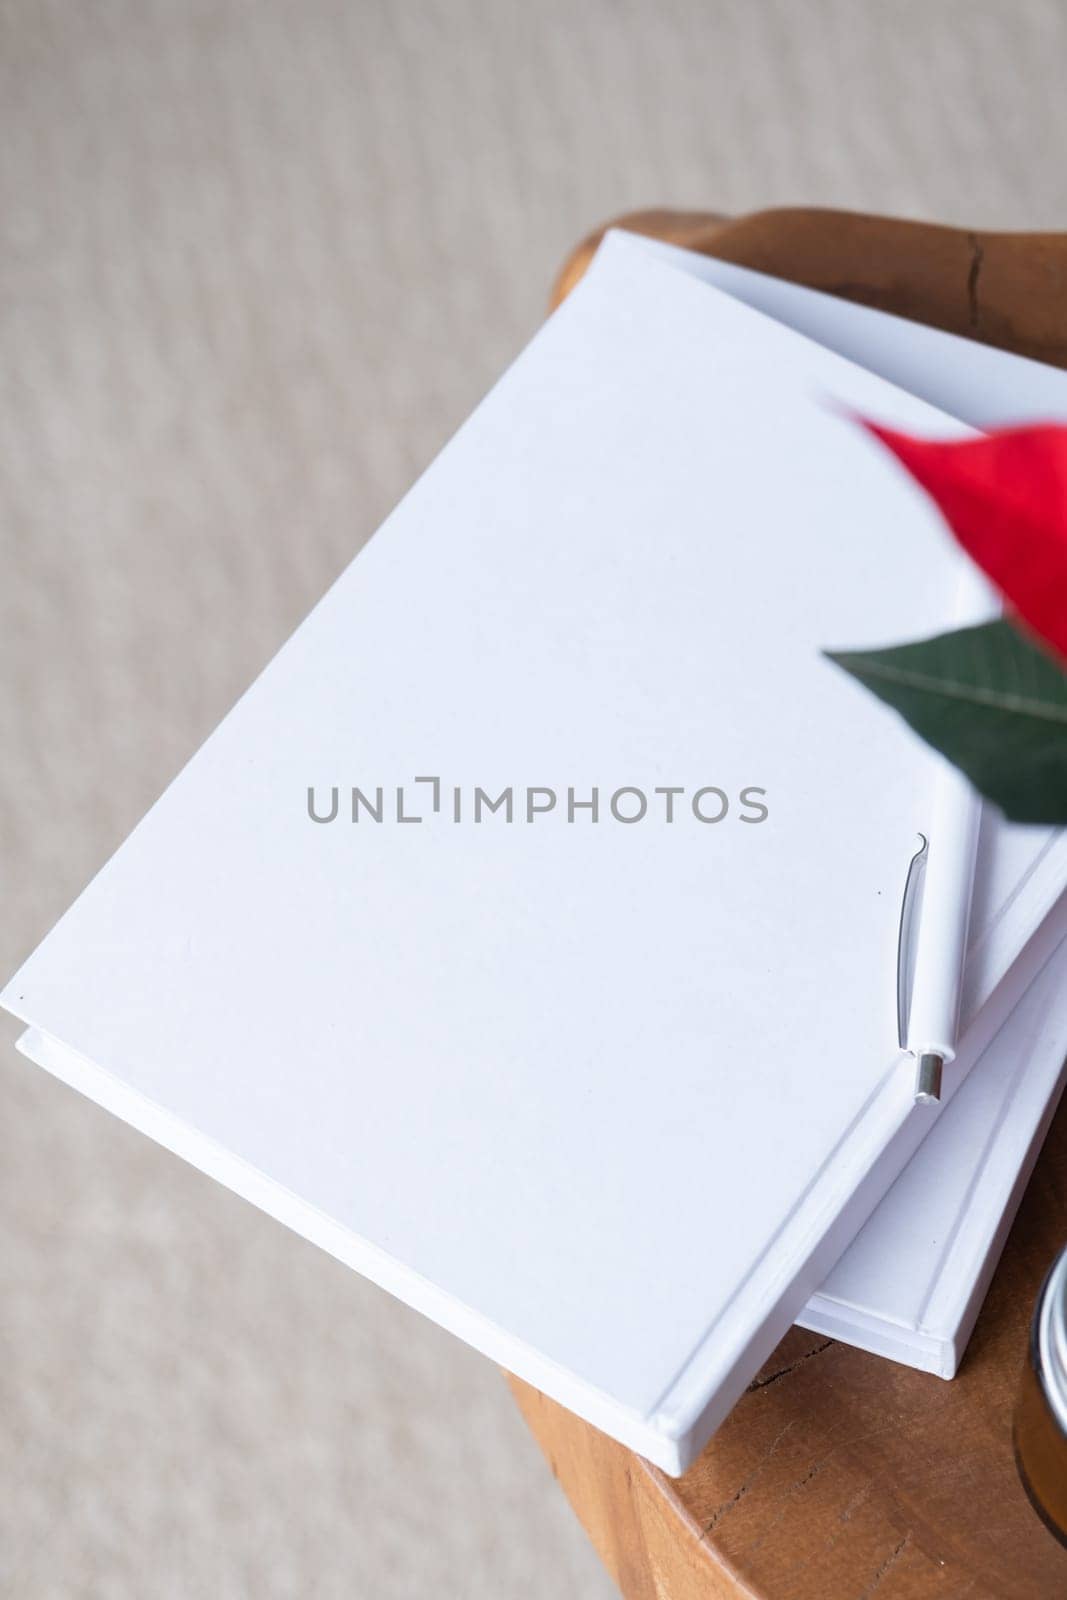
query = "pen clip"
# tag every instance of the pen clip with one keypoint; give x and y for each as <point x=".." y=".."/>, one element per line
<point x="929" y="1064"/>
<point x="904" y="939"/>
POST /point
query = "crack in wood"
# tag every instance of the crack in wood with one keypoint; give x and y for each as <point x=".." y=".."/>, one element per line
<point x="977" y="258"/>
<point x="753" y="1477"/>
<point x="783" y="1372"/>
<point x="890" y="1561"/>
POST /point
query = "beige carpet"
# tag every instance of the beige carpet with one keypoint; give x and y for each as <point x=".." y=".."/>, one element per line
<point x="258" y="260"/>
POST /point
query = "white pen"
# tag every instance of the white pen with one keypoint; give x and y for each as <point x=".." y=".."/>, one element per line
<point x="941" y="940"/>
<point x="930" y="960"/>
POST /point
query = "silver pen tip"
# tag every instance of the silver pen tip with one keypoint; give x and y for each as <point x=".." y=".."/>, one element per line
<point x="928" y="1078"/>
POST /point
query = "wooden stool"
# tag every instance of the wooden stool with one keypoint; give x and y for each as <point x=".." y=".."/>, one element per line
<point x="840" y="1476"/>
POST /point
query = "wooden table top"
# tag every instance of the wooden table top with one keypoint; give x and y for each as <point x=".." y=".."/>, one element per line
<point x="839" y="1475"/>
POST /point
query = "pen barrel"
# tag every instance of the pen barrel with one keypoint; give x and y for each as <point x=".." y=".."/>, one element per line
<point x="948" y="882"/>
<point x="941" y="943"/>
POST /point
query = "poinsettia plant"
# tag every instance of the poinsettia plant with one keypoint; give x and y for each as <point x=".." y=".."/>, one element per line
<point x="992" y="698"/>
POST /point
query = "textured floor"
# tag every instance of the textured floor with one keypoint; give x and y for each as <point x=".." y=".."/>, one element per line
<point x="257" y="262"/>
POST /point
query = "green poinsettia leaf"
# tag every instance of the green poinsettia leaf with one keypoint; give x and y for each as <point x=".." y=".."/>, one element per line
<point x="989" y="700"/>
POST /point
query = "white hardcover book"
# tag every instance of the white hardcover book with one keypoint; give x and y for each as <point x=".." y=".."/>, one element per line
<point x="911" y="1284"/>
<point x="604" y="1093"/>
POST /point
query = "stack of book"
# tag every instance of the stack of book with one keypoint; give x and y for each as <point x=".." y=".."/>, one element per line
<point x="539" y="934"/>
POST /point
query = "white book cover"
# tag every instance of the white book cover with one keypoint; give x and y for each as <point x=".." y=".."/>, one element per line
<point x="604" y="1093"/>
<point x="911" y="1284"/>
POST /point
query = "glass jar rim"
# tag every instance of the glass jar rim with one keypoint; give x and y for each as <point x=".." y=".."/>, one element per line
<point x="1051" y="1340"/>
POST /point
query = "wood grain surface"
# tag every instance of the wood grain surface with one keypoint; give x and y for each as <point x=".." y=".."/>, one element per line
<point x="839" y="1475"/>
<point x="1006" y="289"/>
